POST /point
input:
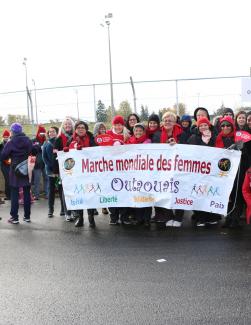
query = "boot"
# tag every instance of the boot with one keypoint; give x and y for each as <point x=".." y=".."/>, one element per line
<point x="91" y="221"/>
<point x="79" y="222"/>
<point x="50" y="213"/>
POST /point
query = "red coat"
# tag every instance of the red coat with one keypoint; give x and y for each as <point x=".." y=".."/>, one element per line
<point x="246" y="191"/>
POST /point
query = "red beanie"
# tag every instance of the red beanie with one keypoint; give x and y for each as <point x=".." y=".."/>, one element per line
<point x="227" y="119"/>
<point x="118" y="119"/>
<point x="202" y="121"/>
<point x="6" y="133"/>
<point x="41" y="129"/>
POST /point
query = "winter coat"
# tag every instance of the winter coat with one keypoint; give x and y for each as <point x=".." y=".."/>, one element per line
<point x="159" y="135"/>
<point x="82" y="142"/>
<point x="60" y="142"/>
<point x="48" y="156"/>
<point x="196" y="139"/>
<point x="17" y="149"/>
<point x="246" y="191"/>
<point x="39" y="164"/>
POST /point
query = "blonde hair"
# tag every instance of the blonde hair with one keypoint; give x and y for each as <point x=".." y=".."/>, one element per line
<point x="167" y="114"/>
<point x="67" y="119"/>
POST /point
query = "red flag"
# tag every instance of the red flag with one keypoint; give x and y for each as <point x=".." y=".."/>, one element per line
<point x="242" y="136"/>
<point x="104" y="140"/>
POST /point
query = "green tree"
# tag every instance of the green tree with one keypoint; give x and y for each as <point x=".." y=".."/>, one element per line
<point x="101" y="112"/>
<point x="144" y="114"/>
<point x="219" y="111"/>
<point x="22" y="119"/>
<point x="124" y="109"/>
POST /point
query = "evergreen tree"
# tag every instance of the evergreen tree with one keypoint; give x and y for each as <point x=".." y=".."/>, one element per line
<point x="124" y="109"/>
<point x="144" y="114"/>
<point x="101" y="112"/>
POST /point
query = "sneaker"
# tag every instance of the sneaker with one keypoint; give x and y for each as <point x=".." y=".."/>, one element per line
<point x="200" y="224"/>
<point x="27" y="219"/>
<point x="126" y="222"/>
<point x="69" y="218"/>
<point x="114" y="223"/>
<point x="95" y="212"/>
<point x="212" y="223"/>
<point x="177" y="224"/>
<point x="169" y="223"/>
<point x="13" y="221"/>
<point x="104" y="211"/>
<point x="50" y="214"/>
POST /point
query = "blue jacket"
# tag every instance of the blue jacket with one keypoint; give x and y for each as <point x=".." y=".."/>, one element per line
<point x="48" y="156"/>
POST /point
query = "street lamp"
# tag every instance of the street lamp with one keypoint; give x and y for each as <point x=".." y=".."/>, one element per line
<point x="76" y="91"/>
<point x="107" y="21"/>
<point x="35" y="93"/>
<point x="27" y="90"/>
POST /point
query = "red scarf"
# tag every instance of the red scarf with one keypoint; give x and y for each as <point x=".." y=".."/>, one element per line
<point x="219" y="140"/>
<point x="151" y="132"/>
<point x="80" y="141"/>
<point x="133" y="140"/>
<point x="177" y="130"/>
<point x="64" y="139"/>
<point x="116" y="136"/>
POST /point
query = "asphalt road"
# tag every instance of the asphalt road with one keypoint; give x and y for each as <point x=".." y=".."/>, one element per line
<point x="53" y="273"/>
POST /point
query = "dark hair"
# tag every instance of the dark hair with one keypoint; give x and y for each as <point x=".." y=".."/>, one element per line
<point x="235" y="120"/>
<point x="83" y="123"/>
<point x="127" y="122"/>
<point x="55" y="128"/>
<point x="201" y="109"/>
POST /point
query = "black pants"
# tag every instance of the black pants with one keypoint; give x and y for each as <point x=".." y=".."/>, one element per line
<point x="51" y="194"/>
<point x="143" y="214"/>
<point x="164" y="215"/>
<point x="6" y="170"/>
<point x="116" y="212"/>
<point x="15" y="203"/>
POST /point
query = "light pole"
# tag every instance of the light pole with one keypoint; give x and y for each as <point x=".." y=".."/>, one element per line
<point x="27" y="90"/>
<point x="35" y="93"/>
<point x="107" y="21"/>
<point x="76" y="91"/>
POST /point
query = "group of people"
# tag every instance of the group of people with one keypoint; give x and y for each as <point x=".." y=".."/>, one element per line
<point x="199" y="130"/>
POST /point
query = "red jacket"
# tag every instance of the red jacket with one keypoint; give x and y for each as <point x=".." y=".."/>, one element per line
<point x="246" y="191"/>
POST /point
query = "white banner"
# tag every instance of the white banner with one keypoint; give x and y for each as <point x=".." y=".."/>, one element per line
<point x="179" y="177"/>
<point x="246" y="89"/>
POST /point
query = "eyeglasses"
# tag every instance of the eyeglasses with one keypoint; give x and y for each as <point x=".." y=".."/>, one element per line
<point x="228" y="114"/>
<point x="226" y="125"/>
<point x="81" y="127"/>
<point x="132" y="119"/>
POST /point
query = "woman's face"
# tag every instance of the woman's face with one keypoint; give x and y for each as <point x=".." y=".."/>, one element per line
<point x="226" y="128"/>
<point x="52" y="133"/>
<point x="138" y="132"/>
<point x="241" y="119"/>
<point x="118" y="128"/>
<point x="81" y="130"/>
<point x="132" y="121"/>
<point x="102" y="129"/>
<point x="201" y="113"/>
<point x="153" y="125"/>
<point x="203" y="127"/>
<point x="67" y="126"/>
<point x="168" y="122"/>
<point x="185" y="124"/>
<point x="249" y="121"/>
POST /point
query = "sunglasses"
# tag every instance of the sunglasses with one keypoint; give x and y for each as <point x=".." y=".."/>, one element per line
<point x="226" y="125"/>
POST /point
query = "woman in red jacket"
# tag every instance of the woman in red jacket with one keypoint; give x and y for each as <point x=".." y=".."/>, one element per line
<point x="246" y="191"/>
<point x="81" y="139"/>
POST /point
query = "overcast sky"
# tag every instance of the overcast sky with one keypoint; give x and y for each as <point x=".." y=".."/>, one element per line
<point x="65" y="45"/>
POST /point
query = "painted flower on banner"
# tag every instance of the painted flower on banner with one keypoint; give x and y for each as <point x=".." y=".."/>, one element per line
<point x="69" y="163"/>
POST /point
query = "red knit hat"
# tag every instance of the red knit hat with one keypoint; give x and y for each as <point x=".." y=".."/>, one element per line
<point x="202" y="121"/>
<point x="227" y="119"/>
<point x="6" y="133"/>
<point x="41" y="129"/>
<point x="118" y="119"/>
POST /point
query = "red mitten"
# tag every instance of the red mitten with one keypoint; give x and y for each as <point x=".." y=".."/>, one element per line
<point x="66" y="149"/>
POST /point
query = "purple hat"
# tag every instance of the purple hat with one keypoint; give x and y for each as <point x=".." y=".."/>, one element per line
<point x="16" y="128"/>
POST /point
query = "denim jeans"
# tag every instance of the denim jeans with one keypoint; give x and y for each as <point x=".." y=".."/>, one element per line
<point x="15" y="204"/>
<point x="36" y="179"/>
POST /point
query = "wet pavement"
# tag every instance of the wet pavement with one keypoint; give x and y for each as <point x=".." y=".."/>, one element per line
<point x="54" y="273"/>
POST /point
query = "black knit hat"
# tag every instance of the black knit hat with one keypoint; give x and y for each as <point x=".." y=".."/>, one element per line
<point x="83" y="123"/>
<point x="201" y="109"/>
<point x="227" y="110"/>
<point x="155" y="118"/>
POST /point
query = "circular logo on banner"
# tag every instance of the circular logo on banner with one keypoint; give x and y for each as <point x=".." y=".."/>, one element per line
<point x="224" y="164"/>
<point x="69" y="163"/>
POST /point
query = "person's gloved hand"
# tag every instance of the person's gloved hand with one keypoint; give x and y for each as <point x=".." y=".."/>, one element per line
<point x="79" y="147"/>
<point x="66" y="149"/>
